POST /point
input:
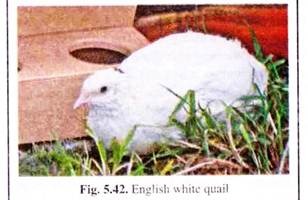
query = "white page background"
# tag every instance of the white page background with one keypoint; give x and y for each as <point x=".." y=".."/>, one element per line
<point x="282" y="187"/>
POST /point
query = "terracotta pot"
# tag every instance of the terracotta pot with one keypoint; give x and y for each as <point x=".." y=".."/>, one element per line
<point x="268" y="22"/>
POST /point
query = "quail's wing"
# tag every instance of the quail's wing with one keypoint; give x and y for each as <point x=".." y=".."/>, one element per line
<point x="185" y="60"/>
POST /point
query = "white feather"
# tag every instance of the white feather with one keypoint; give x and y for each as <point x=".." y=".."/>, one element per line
<point x="219" y="70"/>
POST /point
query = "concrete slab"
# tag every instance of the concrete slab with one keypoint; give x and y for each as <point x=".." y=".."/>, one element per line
<point x="36" y="20"/>
<point x="50" y="79"/>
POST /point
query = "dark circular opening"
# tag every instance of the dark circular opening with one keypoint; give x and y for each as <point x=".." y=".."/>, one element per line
<point x="98" y="55"/>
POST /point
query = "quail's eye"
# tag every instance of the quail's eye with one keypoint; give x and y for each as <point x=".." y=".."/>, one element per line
<point x="103" y="89"/>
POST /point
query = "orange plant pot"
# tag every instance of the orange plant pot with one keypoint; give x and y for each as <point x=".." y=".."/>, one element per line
<point x="270" y="23"/>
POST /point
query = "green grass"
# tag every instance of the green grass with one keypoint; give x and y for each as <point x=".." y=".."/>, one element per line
<point x="251" y="142"/>
<point x="54" y="159"/>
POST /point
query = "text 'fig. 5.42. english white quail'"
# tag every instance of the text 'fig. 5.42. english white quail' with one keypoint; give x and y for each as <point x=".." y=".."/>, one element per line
<point x="140" y="94"/>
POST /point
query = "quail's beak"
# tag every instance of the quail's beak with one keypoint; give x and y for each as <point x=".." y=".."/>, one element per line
<point x="82" y="99"/>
